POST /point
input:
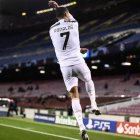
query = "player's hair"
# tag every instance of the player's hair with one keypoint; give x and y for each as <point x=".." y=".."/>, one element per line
<point x="60" y="12"/>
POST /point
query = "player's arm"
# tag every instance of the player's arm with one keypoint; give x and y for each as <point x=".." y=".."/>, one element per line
<point x="83" y="50"/>
<point x="53" y="4"/>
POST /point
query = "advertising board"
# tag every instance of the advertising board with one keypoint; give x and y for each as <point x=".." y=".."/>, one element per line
<point x="66" y="120"/>
<point x="3" y="113"/>
<point x="128" y="128"/>
<point x="101" y="125"/>
<point x="44" y="118"/>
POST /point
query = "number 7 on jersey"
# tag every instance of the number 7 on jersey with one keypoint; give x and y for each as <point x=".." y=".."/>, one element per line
<point x="67" y="34"/>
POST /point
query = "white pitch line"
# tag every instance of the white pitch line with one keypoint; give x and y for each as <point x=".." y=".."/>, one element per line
<point x="39" y="132"/>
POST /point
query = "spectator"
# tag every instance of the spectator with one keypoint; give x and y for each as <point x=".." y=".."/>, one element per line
<point x="12" y="107"/>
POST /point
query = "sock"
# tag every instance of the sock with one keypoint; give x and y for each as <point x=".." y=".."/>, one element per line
<point x="78" y="113"/>
<point x="91" y="92"/>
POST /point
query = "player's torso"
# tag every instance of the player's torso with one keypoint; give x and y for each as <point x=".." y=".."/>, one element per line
<point x="65" y="38"/>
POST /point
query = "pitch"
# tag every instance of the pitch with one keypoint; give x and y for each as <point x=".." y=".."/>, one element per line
<point x="25" y="129"/>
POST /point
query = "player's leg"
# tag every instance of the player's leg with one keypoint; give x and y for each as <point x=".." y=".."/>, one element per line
<point x="72" y="87"/>
<point x="84" y="74"/>
<point x="74" y="94"/>
<point x="76" y="106"/>
<point x="90" y="88"/>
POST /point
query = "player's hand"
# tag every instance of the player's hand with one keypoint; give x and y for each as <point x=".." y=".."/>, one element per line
<point x="83" y="50"/>
<point x="53" y="4"/>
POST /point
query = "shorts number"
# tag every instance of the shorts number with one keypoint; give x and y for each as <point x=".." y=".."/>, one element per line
<point x="67" y="34"/>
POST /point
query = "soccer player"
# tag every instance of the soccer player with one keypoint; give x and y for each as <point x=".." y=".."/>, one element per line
<point x="65" y="38"/>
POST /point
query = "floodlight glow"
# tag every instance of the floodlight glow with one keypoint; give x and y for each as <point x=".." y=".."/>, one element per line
<point x="122" y="96"/>
<point x="95" y="61"/>
<point x="44" y="11"/>
<point x="24" y="14"/>
<point x="51" y="9"/>
<point x="106" y="65"/>
<point x="126" y="64"/>
<point x="70" y="4"/>
<point x="94" y="67"/>
<point x="42" y="72"/>
<point x="17" y="69"/>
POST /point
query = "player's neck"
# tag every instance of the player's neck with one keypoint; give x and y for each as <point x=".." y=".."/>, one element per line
<point x="65" y="18"/>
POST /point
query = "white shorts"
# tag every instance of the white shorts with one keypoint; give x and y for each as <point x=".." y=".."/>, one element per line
<point x="72" y="73"/>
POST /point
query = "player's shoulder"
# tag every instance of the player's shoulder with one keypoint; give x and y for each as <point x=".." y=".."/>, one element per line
<point x="70" y="20"/>
<point x="54" y="25"/>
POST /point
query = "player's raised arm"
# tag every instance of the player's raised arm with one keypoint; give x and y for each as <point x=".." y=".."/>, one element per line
<point x="56" y="6"/>
<point x="53" y="4"/>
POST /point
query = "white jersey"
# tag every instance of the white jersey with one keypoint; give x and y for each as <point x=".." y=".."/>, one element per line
<point x="65" y="38"/>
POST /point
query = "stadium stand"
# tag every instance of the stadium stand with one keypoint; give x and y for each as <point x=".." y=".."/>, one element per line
<point x="116" y="86"/>
<point x="35" y="44"/>
<point x="52" y="93"/>
<point x="132" y="110"/>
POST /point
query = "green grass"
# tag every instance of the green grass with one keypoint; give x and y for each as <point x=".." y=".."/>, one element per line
<point x="25" y="129"/>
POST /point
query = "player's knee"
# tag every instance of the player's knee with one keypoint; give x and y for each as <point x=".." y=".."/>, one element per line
<point x="87" y="77"/>
<point x="73" y="95"/>
<point x="74" y="92"/>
